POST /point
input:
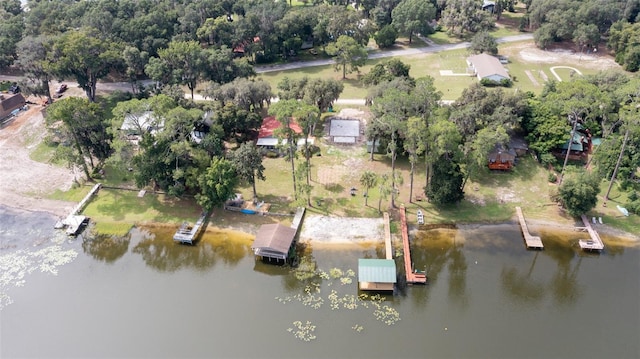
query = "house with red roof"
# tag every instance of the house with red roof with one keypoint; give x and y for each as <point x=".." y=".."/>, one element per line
<point x="268" y="139"/>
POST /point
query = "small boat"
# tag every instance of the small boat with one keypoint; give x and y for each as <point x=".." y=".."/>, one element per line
<point x="623" y="210"/>
<point x="248" y="211"/>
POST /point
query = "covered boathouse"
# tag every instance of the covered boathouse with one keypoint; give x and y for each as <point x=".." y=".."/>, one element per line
<point x="275" y="241"/>
<point x="376" y="274"/>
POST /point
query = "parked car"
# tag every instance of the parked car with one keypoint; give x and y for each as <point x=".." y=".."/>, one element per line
<point x="62" y="88"/>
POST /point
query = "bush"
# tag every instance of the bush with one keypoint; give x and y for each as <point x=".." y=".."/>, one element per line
<point x="492" y="83"/>
<point x="633" y="207"/>
<point x="633" y="196"/>
<point x="552" y="177"/>
<point x="386" y="36"/>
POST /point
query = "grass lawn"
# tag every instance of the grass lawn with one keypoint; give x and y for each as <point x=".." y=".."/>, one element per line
<point x="526" y="76"/>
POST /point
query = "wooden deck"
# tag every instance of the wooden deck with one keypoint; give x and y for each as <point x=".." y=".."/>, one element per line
<point x="387" y="237"/>
<point x="532" y="242"/>
<point x="595" y="244"/>
<point x="412" y="277"/>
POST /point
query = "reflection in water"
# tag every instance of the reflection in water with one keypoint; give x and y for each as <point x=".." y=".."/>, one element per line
<point x="522" y="287"/>
<point x="493" y="295"/>
<point x="433" y="250"/>
<point x="107" y="248"/>
<point x="458" y="276"/>
<point x="159" y="251"/>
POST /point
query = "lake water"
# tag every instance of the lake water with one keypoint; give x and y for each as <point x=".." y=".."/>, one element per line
<point x="488" y="297"/>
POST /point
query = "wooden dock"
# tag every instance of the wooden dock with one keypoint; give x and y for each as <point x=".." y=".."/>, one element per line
<point x="595" y="244"/>
<point x="413" y="277"/>
<point x="532" y="242"/>
<point x="187" y="234"/>
<point x="75" y="223"/>
<point x="297" y="219"/>
<point x="387" y="237"/>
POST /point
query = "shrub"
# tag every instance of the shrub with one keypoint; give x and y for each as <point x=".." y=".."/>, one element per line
<point x="552" y="177"/>
<point x="386" y="36"/>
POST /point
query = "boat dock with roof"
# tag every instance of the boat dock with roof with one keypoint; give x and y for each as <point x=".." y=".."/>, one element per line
<point x="278" y="242"/>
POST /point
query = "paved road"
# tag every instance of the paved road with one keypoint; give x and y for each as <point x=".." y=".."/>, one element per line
<point x="430" y="48"/>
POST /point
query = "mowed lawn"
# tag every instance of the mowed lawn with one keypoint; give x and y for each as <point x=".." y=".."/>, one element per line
<point x="527" y="76"/>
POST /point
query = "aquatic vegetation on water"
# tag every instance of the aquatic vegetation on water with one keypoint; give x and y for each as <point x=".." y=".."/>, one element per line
<point x="15" y="266"/>
<point x="312" y="298"/>
<point x="303" y="331"/>
<point x="306" y="269"/>
<point x="335" y="273"/>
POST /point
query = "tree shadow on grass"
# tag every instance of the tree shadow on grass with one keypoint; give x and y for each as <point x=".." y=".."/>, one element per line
<point x="334" y="187"/>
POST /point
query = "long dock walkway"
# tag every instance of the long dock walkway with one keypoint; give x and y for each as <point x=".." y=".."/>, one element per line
<point x="297" y="219"/>
<point x="532" y="242"/>
<point x="387" y="237"/>
<point x="595" y="244"/>
<point x="412" y="277"/>
<point x="74" y="222"/>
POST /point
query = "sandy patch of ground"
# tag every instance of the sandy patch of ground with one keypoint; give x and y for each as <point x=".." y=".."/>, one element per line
<point x="340" y="230"/>
<point x="529" y="53"/>
<point x="24" y="182"/>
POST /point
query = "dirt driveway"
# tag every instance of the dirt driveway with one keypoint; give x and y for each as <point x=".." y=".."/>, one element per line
<point x="24" y="182"/>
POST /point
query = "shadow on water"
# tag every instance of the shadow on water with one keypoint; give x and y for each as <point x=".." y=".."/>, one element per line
<point x="159" y="251"/>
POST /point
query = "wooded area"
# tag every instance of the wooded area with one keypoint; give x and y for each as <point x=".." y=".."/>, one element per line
<point x="215" y="43"/>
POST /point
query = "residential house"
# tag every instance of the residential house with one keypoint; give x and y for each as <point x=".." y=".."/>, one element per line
<point x="487" y="67"/>
<point x="502" y="159"/>
<point x="10" y="104"/>
<point x="267" y="138"/>
<point x="579" y="148"/>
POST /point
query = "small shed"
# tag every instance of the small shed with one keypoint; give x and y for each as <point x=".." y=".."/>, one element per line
<point x="274" y="241"/>
<point x="487" y="67"/>
<point x="376" y="274"/>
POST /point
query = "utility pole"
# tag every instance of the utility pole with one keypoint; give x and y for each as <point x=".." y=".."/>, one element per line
<point x="566" y="157"/>
<point x="615" y="171"/>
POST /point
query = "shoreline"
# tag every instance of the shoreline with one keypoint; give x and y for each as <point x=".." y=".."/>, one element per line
<point x="320" y="235"/>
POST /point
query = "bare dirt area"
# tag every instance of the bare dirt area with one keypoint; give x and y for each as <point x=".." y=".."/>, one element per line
<point x="527" y="52"/>
<point x="24" y="182"/>
<point x="340" y="230"/>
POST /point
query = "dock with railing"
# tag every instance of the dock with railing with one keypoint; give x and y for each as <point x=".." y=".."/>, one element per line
<point x="188" y="234"/>
<point x="595" y="244"/>
<point x="413" y="276"/>
<point x="532" y="242"/>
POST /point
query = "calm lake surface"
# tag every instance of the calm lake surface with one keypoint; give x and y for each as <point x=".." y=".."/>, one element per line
<point x="488" y="297"/>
